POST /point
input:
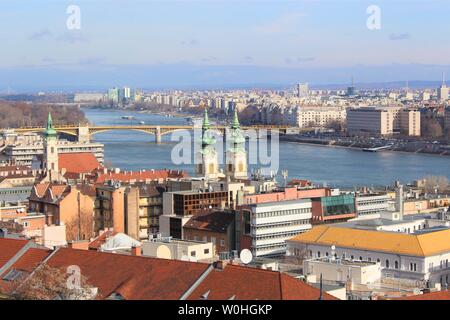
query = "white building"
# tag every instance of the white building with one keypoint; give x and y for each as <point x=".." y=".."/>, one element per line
<point x="420" y="258"/>
<point x="369" y="204"/>
<point x="168" y="248"/>
<point x="21" y="150"/>
<point x="272" y="223"/>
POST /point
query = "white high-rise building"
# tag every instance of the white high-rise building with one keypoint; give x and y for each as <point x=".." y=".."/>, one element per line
<point x="442" y="91"/>
<point x="302" y="90"/>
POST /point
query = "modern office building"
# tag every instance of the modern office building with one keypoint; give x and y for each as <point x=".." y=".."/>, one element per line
<point x="370" y="204"/>
<point x="267" y="226"/>
<point x="383" y="120"/>
<point x="333" y="209"/>
<point x="180" y="206"/>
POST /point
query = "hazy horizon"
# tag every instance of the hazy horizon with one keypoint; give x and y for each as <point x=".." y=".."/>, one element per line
<point x="211" y="43"/>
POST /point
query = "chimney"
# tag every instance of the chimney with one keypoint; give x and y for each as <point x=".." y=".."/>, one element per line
<point x="136" y="251"/>
<point x="220" y="265"/>
<point x="80" y="245"/>
<point x="399" y="200"/>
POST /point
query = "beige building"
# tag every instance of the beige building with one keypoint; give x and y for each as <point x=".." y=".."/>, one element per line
<point x="342" y="270"/>
<point x="133" y="209"/>
<point x="384" y="121"/>
<point x="167" y="248"/>
<point x="319" y="116"/>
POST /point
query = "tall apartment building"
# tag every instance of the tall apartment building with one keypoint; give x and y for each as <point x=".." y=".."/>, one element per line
<point x="302" y="90"/>
<point x="318" y="116"/>
<point x="132" y="209"/>
<point x="300" y="116"/>
<point x="267" y="226"/>
<point x="442" y="91"/>
<point x="383" y="121"/>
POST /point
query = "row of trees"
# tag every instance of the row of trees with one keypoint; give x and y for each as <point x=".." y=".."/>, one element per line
<point x="20" y="114"/>
<point x="432" y="184"/>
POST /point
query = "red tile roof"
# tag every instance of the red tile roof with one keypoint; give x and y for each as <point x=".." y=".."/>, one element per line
<point x="26" y="263"/>
<point x="31" y="259"/>
<point x="42" y="190"/>
<point x="244" y="283"/>
<point x="14" y="168"/>
<point x="78" y="162"/>
<point x="216" y="221"/>
<point x="9" y="248"/>
<point x="438" y="295"/>
<point x="145" y="278"/>
<point x="133" y="277"/>
<point x="101" y="239"/>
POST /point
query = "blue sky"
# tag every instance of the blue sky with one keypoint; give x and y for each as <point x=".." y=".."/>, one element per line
<point x="264" y="35"/>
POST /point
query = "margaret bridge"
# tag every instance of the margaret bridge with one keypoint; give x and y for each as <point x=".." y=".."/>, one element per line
<point x="85" y="132"/>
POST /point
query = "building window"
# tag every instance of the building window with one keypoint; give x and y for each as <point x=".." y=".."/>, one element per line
<point x="193" y="253"/>
<point x="318" y="254"/>
<point x="387" y="264"/>
<point x="206" y="251"/>
<point x="222" y="243"/>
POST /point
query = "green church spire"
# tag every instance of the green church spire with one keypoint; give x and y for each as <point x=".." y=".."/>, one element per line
<point x="235" y="124"/>
<point x="50" y="131"/>
<point x="206" y="124"/>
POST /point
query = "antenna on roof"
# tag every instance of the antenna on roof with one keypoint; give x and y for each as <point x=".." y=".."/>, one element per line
<point x="321" y="291"/>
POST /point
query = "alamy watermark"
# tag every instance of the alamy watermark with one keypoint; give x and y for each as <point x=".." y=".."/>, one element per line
<point x="73" y="21"/>
<point x="373" y="21"/>
<point x="260" y="145"/>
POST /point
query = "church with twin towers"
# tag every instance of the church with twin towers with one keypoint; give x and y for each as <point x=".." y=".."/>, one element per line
<point x="207" y="159"/>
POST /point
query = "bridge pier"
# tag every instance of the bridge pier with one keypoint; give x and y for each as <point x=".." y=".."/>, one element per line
<point x="158" y="135"/>
<point x="83" y="134"/>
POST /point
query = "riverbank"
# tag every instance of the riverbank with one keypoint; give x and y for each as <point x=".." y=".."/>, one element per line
<point x="333" y="166"/>
<point x="354" y="146"/>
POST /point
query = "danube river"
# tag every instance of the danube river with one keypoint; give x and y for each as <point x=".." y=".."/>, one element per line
<point x="333" y="166"/>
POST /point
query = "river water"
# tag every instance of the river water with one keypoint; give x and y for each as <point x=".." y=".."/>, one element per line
<point x="332" y="166"/>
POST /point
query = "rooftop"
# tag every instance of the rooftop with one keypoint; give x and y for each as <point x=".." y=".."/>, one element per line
<point x="421" y="245"/>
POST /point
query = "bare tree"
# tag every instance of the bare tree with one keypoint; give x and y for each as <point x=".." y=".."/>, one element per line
<point x="435" y="183"/>
<point x="431" y="128"/>
<point x="81" y="227"/>
<point x="50" y="283"/>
